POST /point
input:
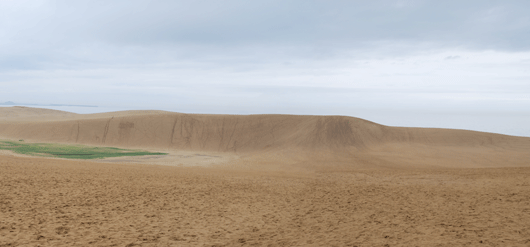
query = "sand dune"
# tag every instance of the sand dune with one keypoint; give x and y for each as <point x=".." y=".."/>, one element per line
<point x="29" y="113"/>
<point x="272" y="180"/>
<point x="347" y="141"/>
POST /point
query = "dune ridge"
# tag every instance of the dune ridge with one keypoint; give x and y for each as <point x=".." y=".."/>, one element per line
<point x="340" y="135"/>
<point x="272" y="180"/>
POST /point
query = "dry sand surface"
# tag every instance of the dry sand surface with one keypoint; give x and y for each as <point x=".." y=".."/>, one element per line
<point x="69" y="203"/>
<point x="265" y="139"/>
<point x="261" y="180"/>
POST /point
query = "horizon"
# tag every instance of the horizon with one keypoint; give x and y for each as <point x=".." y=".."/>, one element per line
<point x="510" y="123"/>
<point x="405" y="63"/>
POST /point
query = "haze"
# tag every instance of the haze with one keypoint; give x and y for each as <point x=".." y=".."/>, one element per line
<point x="264" y="123"/>
<point x="405" y="63"/>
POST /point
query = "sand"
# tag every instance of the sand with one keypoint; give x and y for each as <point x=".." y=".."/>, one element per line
<point x="270" y="140"/>
<point x="264" y="180"/>
<point x="68" y="203"/>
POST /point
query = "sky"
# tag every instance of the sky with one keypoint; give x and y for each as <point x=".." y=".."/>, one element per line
<point x="373" y="59"/>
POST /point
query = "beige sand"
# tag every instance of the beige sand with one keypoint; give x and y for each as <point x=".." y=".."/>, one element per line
<point x="264" y="180"/>
<point x="68" y="203"/>
<point x="264" y="140"/>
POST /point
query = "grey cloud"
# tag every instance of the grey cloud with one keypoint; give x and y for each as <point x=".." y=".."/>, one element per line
<point x="264" y="53"/>
<point x="311" y="27"/>
<point x="452" y="57"/>
<point x="473" y="24"/>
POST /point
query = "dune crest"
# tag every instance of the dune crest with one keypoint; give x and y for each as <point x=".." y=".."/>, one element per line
<point x="340" y="135"/>
<point x="22" y="112"/>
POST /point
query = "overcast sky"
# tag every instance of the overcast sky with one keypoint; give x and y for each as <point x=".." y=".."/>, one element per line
<point x="243" y="57"/>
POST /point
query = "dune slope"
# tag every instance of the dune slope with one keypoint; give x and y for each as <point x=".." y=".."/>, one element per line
<point x="336" y="137"/>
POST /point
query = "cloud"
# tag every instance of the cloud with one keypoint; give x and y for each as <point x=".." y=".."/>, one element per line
<point x="451" y="57"/>
<point x="272" y="55"/>
<point x="59" y="29"/>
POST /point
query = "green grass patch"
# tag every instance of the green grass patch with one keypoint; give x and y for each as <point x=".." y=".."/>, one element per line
<point x="70" y="151"/>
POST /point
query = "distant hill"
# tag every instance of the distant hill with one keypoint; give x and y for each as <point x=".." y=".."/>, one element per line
<point x="346" y="140"/>
<point x="13" y="103"/>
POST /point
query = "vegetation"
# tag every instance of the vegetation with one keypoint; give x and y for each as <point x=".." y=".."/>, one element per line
<point x="69" y="151"/>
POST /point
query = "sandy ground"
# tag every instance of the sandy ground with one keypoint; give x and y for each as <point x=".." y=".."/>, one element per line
<point x="178" y="158"/>
<point x="261" y="180"/>
<point x="69" y="203"/>
<point x="172" y="158"/>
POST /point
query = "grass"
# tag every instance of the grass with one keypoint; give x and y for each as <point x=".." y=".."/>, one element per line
<point x="69" y="151"/>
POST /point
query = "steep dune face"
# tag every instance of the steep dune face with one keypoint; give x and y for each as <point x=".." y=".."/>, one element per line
<point x="235" y="133"/>
<point x="346" y="140"/>
<point x="222" y="133"/>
